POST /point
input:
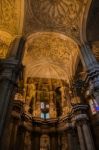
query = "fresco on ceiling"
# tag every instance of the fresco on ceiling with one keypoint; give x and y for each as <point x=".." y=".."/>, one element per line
<point x="62" y="16"/>
<point x="56" y="12"/>
<point x="50" y="55"/>
<point x="10" y="15"/>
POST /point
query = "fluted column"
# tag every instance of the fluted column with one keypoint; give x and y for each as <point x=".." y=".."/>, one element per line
<point x="9" y="72"/>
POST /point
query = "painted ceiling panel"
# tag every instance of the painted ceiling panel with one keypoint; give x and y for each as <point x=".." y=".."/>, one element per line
<point x="54" y="15"/>
<point x="11" y="16"/>
<point x="50" y="55"/>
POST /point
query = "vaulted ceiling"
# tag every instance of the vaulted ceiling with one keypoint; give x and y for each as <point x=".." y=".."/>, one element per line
<point x="49" y="55"/>
<point x="52" y="29"/>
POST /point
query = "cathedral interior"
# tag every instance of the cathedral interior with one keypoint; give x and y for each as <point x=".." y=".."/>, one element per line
<point x="49" y="74"/>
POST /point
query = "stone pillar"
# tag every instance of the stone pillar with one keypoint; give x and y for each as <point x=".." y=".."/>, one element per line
<point x="88" y="136"/>
<point x="91" y="67"/>
<point x="81" y="119"/>
<point x="10" y="69"/>
<point x="16" y="118"/>
<point x="70" y="139"/>
<point x="71" y="135"/>
<point x="81" y="137"/>
<point x="10" y="132"/>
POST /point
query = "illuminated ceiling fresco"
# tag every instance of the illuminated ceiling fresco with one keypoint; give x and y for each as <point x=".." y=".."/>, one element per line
<point x="54" y="15"/>
<point x="53" y="51"/>
<point x="50" y="55"/>
<point x="11" y="16"/>
<point x="11" y="22"/>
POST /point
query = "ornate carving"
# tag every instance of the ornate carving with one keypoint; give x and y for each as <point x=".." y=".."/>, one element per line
<point x="3" y="50"/>
<point x="10" y="14"/>
<point x="56" y="12"/>
<point x="5" y="40"/>
<point x="54" y="15"/>
<point x="52" y="52"/>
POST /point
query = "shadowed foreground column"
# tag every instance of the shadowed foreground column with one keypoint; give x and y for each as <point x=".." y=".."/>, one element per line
<point x="9" y="72"/>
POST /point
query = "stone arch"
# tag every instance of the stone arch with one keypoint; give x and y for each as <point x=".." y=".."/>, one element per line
<point x="84" y="22"/>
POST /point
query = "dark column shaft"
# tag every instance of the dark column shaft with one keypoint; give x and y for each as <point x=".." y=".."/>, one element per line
<point x="20" y="139"/>
<point x="70" y="140"/>
<point x="81" y="138"/>
<point x="88" y="137"/>
<point x="8" y="76"/>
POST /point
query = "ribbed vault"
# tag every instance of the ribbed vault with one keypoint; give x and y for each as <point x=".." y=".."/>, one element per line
<point x="50" y="55"/>
<point x="61" y="16"/>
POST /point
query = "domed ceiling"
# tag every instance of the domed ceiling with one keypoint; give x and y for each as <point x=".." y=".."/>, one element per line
<point x="50" y="55"/>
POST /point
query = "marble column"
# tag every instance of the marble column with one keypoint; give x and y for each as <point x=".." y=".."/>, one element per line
<point x="10" y="69"/>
